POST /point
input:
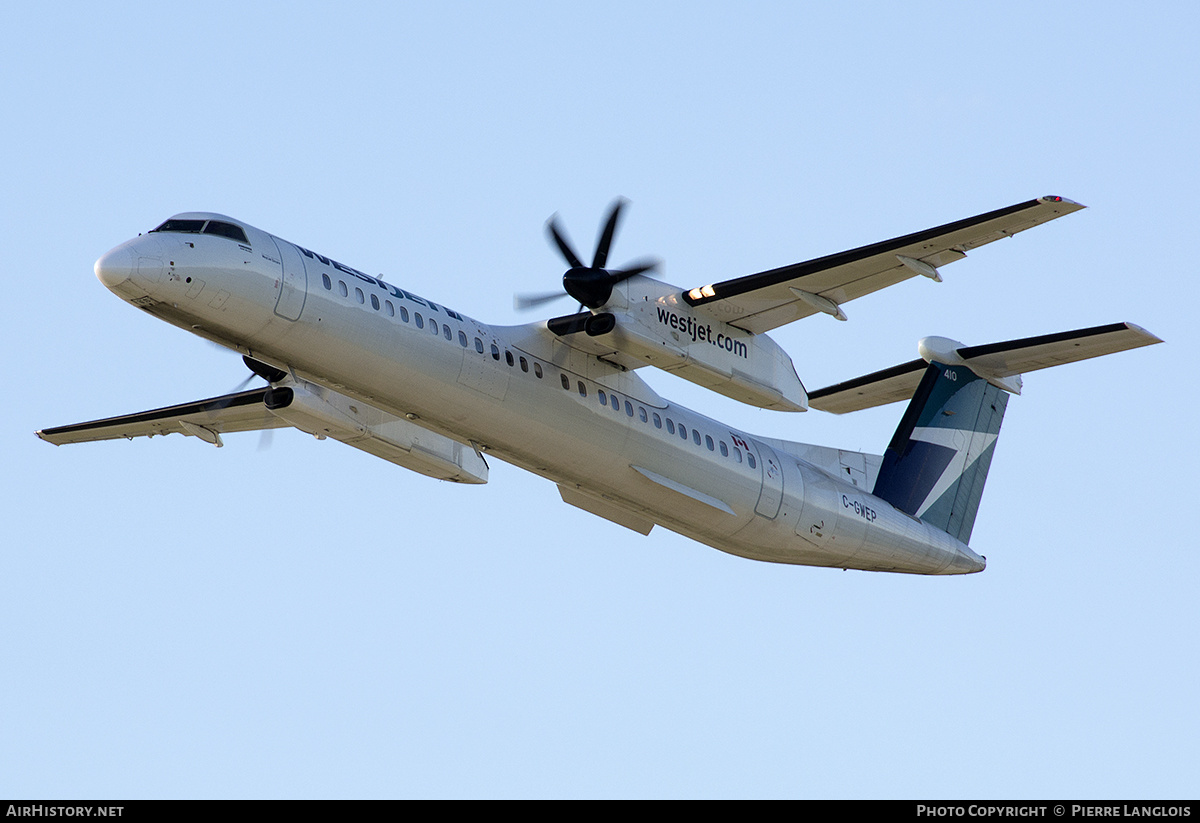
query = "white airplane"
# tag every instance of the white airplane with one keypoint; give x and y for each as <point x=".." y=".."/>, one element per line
<point x="351" y="357"/>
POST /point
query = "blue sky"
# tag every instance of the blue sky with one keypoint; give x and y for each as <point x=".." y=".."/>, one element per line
<point x="305" y="620"/>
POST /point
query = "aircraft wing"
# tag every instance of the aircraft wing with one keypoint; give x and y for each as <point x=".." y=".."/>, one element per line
<point x="206" y="419"/>
<point x="761" y="302"/>
<point x="994" y="361"/>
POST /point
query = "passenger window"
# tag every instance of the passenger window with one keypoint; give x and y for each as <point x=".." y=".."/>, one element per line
<point x="582" y="389"/>
<point x="616" y="402"/>
<point x="603" y="397"/>
<point x="628" y="409"/>
<point x="566" y="383"/>
<point x="433" y="329"/>
<point x="358" y="295"/>
<point x="696" y="436"/>
<point x="389" y="308"/>
<point x="537" y="369"/>
<point x="420" y="320"/>
<point x="404" y="314"/>
<point x="657" y="421"/>
<point x="642" y="413"/>
<point x="342" y="290"/>
<point x="496" y="356"/>
<point x="508" y="358"/>
<point x="462" y="339"/>
<point x="737" y="454"/>
<point x="724" y="449"/>
<point x="374" y="302"/>
<point x="328" y="283"/>
<point x="524" y="365"/>
<point x="708" y="441"/>
<point x="751" y="461"/>
<point x="682" y="431"/>
<point x="478" y="345"/>
<point x="449" y="335"/>
<point x="670" y="426"/>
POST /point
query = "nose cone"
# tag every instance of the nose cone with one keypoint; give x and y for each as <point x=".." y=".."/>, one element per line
<point x="115" y="268"/>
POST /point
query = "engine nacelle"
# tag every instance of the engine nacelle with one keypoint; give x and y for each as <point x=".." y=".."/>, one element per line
<point x="751" y="368"/>
<point x="651" y="324"/>
<point x="326" y="413"/>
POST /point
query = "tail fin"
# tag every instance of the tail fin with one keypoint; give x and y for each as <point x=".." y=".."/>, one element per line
<point x="938" y="460"/>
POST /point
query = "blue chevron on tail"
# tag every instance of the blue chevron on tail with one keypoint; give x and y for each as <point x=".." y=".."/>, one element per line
<point x="937" y="462"/>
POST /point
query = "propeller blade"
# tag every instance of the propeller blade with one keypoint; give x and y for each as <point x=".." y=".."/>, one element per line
<point x="638" y="267"/>
<point x="563" y="245"/>
<point x="521" y="302"/>
<point x="238" y="388"/>
<point x="606" y="237"/>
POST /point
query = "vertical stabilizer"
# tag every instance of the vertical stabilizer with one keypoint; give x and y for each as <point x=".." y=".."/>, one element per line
<point x="938" y="460"/>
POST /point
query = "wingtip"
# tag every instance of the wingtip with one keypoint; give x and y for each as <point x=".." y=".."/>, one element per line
<point x="1150" y="337"/>
<point x="1054" y="198"/>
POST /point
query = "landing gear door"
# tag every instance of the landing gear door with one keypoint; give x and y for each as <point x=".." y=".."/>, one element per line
<point x="772" y="485"/>
<point x="292" y="284"/>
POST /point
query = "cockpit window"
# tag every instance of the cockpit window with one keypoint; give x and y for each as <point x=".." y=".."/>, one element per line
<point x="226" y="230"/>
<point x="184" y="226"/>
<point x="217" y="227"/>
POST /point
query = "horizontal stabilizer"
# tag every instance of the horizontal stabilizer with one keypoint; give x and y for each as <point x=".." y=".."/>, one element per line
<point x="877" y="389"/>
<point x="1033" y="353"/>
<point x="993" y="362"/>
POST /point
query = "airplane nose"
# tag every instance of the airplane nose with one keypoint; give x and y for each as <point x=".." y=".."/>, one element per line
<point x="115" y="268"/>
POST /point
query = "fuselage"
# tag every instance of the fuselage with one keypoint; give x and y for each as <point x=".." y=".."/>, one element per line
<point x="612" y="444"/>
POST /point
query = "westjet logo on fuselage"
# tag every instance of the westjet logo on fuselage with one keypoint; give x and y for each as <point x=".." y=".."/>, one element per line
<point x="702" y="332"/>
<point x="375" y="281"/>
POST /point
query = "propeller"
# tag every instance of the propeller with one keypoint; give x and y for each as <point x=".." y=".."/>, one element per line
<point x="266" y="372"/>
<point x="257" y="369"/>
<point x="591" y="285"/>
